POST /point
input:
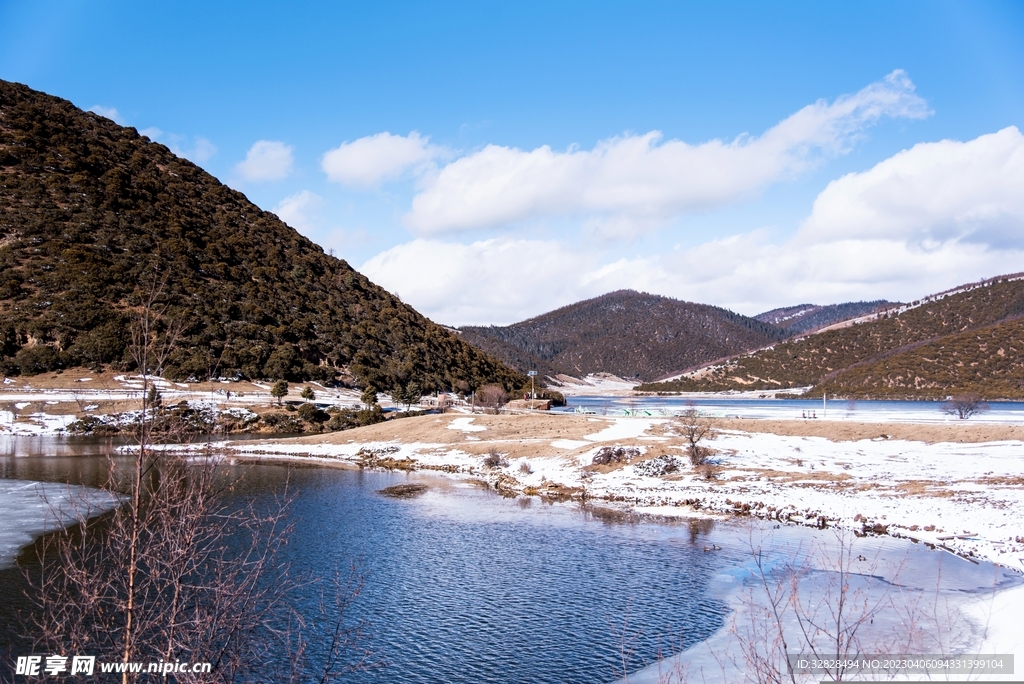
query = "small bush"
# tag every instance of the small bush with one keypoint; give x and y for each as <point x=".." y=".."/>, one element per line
<point x="963" y="406"/>
<point x="346" y="419"/>
<point x="38" y="359"/>
<point x="525" y="468"/>
<point x="311" y="413"/>
<point x="281" y="422"/>
<point x="495" y="460"/>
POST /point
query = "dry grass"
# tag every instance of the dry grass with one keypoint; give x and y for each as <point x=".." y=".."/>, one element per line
<point x="844" y="431"/>
<point x="515" y="436"/>
<point x="930" y="488"/>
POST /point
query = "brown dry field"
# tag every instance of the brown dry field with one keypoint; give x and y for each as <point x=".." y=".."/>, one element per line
<point x="520" y="435"/>
<point x="516" y="436"/>
<point x="843" y="431"/>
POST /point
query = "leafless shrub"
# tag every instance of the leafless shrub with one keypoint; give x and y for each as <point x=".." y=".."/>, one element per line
<point x="181" y="573"/>
<point x="492" y="397"/>
<point x="963" y="406"/>
<point x="525" y="469"/>
<point x="696" y="429"/>
<point x="495" y="460"/>
<point x="708" y="472"/>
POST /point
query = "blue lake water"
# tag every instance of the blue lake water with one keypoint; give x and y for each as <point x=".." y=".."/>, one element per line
<point x="462" y="585"/>
<point x="784" y="409"/>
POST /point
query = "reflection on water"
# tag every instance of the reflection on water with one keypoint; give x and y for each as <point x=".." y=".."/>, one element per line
<point x="465" y="586"/>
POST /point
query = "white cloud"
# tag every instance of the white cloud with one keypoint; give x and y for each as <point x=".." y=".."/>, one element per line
<point x="931" y="193"/>
<point x="196" y="149"/>
<point x="929" y="218"/>
<point x="200" y="150"/>
<point x="267" y="160"/>
<point x="368" y="161"/>
<point x="504" y="280"/>
<point x="640" y="178"/>
<point x="491" y="281"/>
<point x="109" y="112"/>
<point x="293" y="209"/>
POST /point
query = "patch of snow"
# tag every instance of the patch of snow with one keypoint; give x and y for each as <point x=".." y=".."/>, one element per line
<point x="623" y="429"/>
<point x="568" y="444"/>
<point x="36" y="424"/>
<point x="466" y="425"/>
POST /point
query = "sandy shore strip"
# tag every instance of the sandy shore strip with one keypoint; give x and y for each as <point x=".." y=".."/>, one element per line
<point x="955" y="486"/>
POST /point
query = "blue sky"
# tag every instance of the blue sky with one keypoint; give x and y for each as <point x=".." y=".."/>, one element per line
<point x="489" y="162"/>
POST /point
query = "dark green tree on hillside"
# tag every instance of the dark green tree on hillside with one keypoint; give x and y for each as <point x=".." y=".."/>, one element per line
<point x="408" y="395"/>
<point x="369" y="396"/>
<point x="279" y="390"/>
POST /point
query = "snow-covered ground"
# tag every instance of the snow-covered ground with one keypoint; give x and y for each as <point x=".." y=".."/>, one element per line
<point x="33" y="408"/>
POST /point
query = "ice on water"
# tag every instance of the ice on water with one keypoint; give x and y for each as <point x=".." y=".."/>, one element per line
<point x="29" y="509"/>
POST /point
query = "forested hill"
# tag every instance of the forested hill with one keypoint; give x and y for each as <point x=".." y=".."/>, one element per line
<point x="630" y="334"/>
<point x="966" y="340"/>
<point x="94" y="216"/>
<point x="806" y="317"/>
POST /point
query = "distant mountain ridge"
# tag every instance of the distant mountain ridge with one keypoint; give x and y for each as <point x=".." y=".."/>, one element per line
<point x="629" y="334"/>
<point x="969" y="339"/>
<point x="806" y="317"/>
<point x="93" y="216"/>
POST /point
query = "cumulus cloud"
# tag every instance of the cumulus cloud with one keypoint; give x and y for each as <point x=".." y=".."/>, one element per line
<point x="637" y="178"/>
<point x="194" y="148"/>
<point x="109" y="112"/>
<point x="267" y="160"/>
<point x="929" y="218"/>
<point x="294" y="209"/>
<point x="199" y="151"/>
<point x="934" y="192"/>
<point x="504" y="280"/>
<point x="489" y="281"/>
<point x="368" y="161"/>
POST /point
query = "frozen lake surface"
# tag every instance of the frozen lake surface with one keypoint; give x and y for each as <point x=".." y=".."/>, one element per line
<point x="29" y="509"/>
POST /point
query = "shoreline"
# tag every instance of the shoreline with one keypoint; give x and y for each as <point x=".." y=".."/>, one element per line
<point x="955" y="490"/>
